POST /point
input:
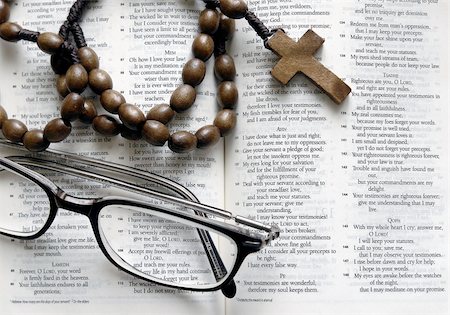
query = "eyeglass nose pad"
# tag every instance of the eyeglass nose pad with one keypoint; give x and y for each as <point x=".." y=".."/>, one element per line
<point x="229" y="290"/>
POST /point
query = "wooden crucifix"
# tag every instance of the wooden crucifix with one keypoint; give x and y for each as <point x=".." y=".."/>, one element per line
<point x="299" y="57"/>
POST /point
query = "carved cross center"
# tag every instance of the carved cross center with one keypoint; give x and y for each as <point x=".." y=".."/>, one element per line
<point x="299" y="57"/>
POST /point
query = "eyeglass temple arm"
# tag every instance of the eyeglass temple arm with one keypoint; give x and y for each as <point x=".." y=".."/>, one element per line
<point x="70" y="158"/>
<point x="217" y="265"/>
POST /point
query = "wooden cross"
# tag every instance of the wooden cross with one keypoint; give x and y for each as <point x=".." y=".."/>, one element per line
<point x="299" y="57"/>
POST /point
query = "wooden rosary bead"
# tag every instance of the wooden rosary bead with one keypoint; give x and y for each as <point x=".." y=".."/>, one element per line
<point x="3" y="116"/>
<point x="183" y="98"/>
<point x="155" y="132"/>
<point x="4" y="12"/>
<point x="77" y="78"/>
<point x="182" y="142"/>
<point x="130" y="134"/>
<point x="14" y="130"/>
<point x="162" y="113"/>
<point x="61" y="86"/>
<point x="49" y="42"/>
<point x="131" y="116"/>
<point x="224" y="68"/>
<point x="72" y="106"/>
<point x="111" y="100"/>
<point x="89" y="112"/>
<point x="207" y="136"/>
<point x="208" y="21"/>
<point x="57" y="130"/>
<point x="60" y="64"/>
<point x="227" y="27"/>
<point x="194" y="72"/>
<point x="225" y="121"/>
<point x="234" y="9"/>
<point x="106" y="125"/>
<point x="35" y="141"/>
<point x="10" y="31"/>
<point x="203" y="47"/>
<point x="99" y="81"/>
<point x="227" y="94"/>
<point x="88" y="58"/>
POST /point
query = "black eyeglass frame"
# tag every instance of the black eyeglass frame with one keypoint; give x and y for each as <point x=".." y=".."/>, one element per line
<point x="246" y="241"/>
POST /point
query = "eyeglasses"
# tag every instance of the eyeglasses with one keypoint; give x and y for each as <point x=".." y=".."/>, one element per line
<point x="162" y="234"/>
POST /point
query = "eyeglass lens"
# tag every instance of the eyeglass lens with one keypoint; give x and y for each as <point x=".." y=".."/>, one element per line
<point x="165" y="248"/>
<point x="25" y="207"/>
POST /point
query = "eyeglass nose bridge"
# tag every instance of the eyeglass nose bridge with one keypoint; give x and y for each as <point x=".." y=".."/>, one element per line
<point x="75" y="204"/>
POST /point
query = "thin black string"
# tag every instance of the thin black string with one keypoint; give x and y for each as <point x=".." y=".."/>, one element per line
<point x="28" y="35"/>
<point x="219" y="45"/>
<point x="212" y="4"/>
<point x="259" y="27"/>
<point x="71" y="26"/>
<point x="78" y="35"/>
<point x="69" y="50"/>
<point x="76" y="10"/>
<point x="64" y="30"/>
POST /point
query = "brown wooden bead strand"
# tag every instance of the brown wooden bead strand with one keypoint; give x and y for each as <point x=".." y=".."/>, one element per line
<point x="4" y="12"/>
<point x="131" y="116"/>
<point x="88" y="112"/>
<point x="50" y="42"/>
<point x="162" y="113"/>
<point x="88" y="58"/>
<point x="227" y="27"/>
<point x="3" y="116"/>
<point x="75" y="78"/>
<point x="225" y="121"/>
<point x="111" y="100"/>
<point x="207" y="136"/>
<point x="182" y="142"/>
<point x="35" y="141"/>
<point x="227" y="94"/>
<point x="183" y="98"/>
<point x="234" y="9"/>
<point x="61" y="86"/>
<point x="14" y="130"/>
<point x="106" y="125"/>
<point x="203" y="47"/>
<point x="209" y="21"/>
<point x="194" y="72"/>
<point x="72" y="106"/>
<point x="100" y="81"/>
<point x="57" y="130"/>
<point x="129" y="134"/>
<point x="10" y="31"/>
<point x="155" y="132"/>
<point x="224" y="68"/>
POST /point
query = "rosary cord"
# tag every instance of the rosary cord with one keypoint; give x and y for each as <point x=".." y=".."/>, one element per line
<point x="212" y="4"/>
<point x="28" y="35"/>
<point x="219" y="46"/>
<point x="259" y="26"/>
<point x="69" y="50"/>
<point x="78" y="35"/>
<point x="71" y="26"/>
<point x="64" y="30"/>
<point x="75" y="11"/>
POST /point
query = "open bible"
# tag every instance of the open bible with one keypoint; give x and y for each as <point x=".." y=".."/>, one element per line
<point x="359" y="190"/>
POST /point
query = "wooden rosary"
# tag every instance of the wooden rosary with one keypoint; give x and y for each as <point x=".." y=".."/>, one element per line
<point x="78" y="68"/>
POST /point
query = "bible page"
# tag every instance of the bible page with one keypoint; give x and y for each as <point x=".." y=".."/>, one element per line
<point x="359" y="190"/>
<point x="143" y="46"/>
